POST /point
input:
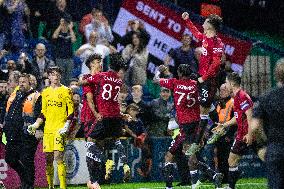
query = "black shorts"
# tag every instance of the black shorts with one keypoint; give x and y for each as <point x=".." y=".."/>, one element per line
<point x="207" y="91"/>
<point x="187" y="134"/>
<point x="240" y="148"/>
<point x="107" y="128"/>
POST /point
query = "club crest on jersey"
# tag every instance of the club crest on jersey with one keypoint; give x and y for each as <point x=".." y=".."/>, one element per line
<point x="59" y="95"/>
<point x="204" y="43"/>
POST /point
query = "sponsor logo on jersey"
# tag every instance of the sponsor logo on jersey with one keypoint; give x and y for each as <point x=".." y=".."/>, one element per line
<point x="54" y="103"/>
<point x="217" y="50"/>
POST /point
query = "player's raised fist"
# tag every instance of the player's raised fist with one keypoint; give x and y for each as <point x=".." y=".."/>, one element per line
<point x="185" y="15"/>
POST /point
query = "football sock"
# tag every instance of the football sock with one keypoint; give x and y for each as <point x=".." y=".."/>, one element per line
<point x="233" y="176"/>
<point x="121" y="152"/>
<point x="61" y="169"/>
<point x="194" y="176"/>
<point x="206" y="169"/>
<point x="49" y="174"/>
<point x="168" y="174"/>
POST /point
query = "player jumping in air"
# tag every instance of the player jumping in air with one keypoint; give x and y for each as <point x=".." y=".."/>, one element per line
<point x="209" y="64"/>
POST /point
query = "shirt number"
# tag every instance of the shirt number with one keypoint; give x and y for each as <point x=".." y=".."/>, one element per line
<point x="107" y="89"/>
<point x="188" y="97"/>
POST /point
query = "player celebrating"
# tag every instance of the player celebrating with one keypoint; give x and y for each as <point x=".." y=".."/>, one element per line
<point x="186" y="102"/>
<point x="57" y="113"/>
<point x="109" y="119"/>
<point x="209" y="64"/>
<point x="243" y="114"/>
<point x="94" y="63"/>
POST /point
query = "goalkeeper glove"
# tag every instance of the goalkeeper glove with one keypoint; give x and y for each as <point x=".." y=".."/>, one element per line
<point x="32" y="128"/>
<point x="65" y="129"/>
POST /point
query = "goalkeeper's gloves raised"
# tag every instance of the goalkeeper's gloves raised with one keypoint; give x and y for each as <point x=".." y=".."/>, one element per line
<point x="32" y="128"/>
<point x="65" y="129"/>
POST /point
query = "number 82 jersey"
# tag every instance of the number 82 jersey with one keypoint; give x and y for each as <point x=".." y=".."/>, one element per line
<point x="186" y="102"/>
<point x="108" y="86"/>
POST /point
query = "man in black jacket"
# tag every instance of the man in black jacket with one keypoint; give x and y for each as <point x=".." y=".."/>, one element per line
<point x="23" y="107"/>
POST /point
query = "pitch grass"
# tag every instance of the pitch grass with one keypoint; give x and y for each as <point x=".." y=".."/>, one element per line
<point x="242" y="184"/>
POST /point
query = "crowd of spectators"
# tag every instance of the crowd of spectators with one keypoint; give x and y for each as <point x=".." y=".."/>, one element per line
<point x="19" y="23"/>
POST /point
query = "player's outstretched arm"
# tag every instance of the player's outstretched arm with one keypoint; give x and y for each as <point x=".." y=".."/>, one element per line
<point x="196" y="33"/>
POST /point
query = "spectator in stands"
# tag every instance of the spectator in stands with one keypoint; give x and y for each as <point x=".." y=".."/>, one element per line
<point x="92" y="47"/>
<point x="63" y="37"/>
<point x="74" y="82"/>
<point x="11" y="66"/>
<point x="13" y="81"/>
<point x="224" y="70"/>
<point x="36" y="15"/>
<point x="138" y="131"/>
<point x="87" y="19"/>
<point x="100" y="26"/>
<point x="182" y="55"/>
<point x="39" y="64"/>
<point x="132" y="27"/>
<point x="33" y="82"/>
<point x="160" y="110"/>
<point x="17" y="10"/>
<point x="3" y="23"/>
<point x="74" y="130"/>
<point x="54" y="14"/>
<point x="136" y="54"/>
<point x="3" y="102"/>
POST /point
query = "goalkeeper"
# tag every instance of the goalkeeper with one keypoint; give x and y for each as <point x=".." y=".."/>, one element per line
<point x="57" y="112"/>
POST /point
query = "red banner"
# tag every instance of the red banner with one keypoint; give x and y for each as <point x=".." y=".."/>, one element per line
<point x="170" y="23"/>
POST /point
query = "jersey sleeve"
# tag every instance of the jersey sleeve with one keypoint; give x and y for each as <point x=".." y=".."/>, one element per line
<point x="245" y="103"/>
<point x="69" y="104"/>
<point x="167" y="83"/>
<point x="195" y="32"/>
<point x="216" y="62"/>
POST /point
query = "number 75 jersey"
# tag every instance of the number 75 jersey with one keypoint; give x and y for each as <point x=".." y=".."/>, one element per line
<point x="186" y="101"/>
<point x="107" y="86"/>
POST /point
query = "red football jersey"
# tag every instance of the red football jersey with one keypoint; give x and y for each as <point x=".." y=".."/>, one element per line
<point x="242" y="102"/>
<point x="185" y="94"/>
<point x="212" y="50"/>
<point x="86" y="113"/>
<point x="108" y="85"/>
